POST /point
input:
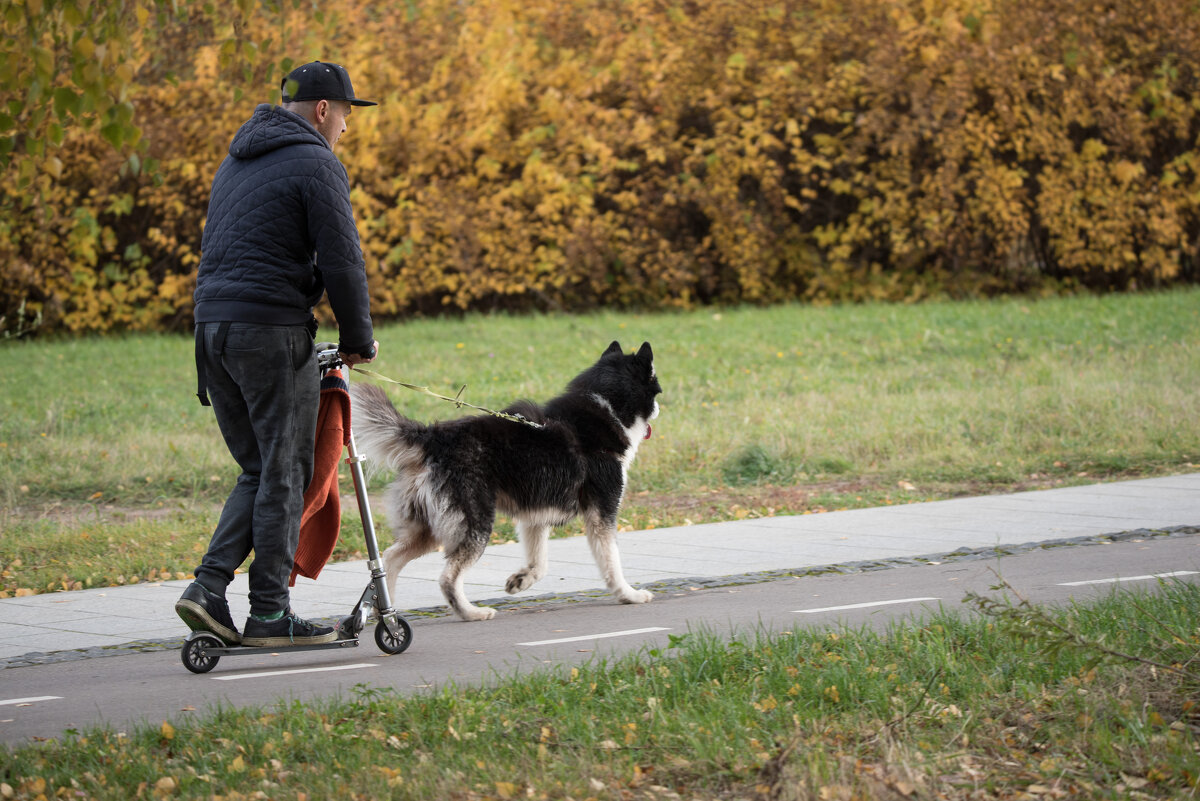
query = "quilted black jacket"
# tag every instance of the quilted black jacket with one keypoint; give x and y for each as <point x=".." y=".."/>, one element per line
<point x="280" y="231"/>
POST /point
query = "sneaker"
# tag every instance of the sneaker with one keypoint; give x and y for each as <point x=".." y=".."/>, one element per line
<point x="287" y="630"/>
<point x="206" y="611"/>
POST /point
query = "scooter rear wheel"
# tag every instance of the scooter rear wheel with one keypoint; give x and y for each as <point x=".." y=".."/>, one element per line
<point x="393" y="644"/>
<point x="195" y="654"/>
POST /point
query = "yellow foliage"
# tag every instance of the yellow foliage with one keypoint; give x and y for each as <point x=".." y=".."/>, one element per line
<point x="566" y="154"/>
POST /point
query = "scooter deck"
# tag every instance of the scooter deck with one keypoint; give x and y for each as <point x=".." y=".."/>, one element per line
<point x="250" y="650"/>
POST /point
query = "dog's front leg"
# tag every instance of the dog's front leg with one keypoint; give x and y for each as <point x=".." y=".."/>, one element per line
<point x="602" y="538"/>
<point x="534" y="536"/>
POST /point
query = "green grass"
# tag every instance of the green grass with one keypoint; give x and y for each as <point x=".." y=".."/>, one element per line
<point x="779" y="410"/>
<point x="952" y="706"/>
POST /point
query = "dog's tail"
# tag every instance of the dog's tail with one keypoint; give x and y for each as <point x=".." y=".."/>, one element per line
<point x="389" y="438"/>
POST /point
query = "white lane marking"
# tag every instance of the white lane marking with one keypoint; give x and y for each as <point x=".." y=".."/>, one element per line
<point x="34" y="700"/>
<point x="861" y="606"/>
<point x="1129" y="578"/>
<point x="597" y="636"/>
<point x="264" y="674"/>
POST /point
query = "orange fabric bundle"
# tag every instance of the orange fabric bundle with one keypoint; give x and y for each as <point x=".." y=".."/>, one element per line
<point x="322" y="519"/>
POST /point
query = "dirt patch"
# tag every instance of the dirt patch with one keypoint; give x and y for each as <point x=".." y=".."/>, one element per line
<point x="75" y="513"/>
<point x="799" y="496"/>
<point x="703" y="504"/>
<point x="710" y="505"/>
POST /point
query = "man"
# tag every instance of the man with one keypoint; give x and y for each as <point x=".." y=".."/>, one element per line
<point x="280" y="232"/>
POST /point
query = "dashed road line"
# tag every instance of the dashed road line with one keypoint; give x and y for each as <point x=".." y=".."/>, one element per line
<point x="1130" y="578"/>
<point x="33" y="700"/>
<point x="583" y="637"/>
<point x="267" y="673"/>
<point x="862" y="605"/>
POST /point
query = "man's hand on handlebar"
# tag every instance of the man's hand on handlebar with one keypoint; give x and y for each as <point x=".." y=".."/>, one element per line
<point x="352" y="359"/>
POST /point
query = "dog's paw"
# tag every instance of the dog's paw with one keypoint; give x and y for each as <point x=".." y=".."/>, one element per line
<point x="632" y="596"/>
<point x="521" y="580"/>
<point x="475" y="613"/>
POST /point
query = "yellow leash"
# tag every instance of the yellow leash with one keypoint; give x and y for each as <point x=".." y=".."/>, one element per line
<point x="456" y="400"/>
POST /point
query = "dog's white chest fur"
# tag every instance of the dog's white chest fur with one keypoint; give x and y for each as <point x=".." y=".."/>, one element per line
<point x="634" y="434"/>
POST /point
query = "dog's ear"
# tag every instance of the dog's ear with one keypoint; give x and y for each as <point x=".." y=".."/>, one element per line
<point x="644" y="354"/>
<point x="615" y="347"/>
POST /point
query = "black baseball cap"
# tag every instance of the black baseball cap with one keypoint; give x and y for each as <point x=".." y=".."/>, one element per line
<point x="320" y="80"/>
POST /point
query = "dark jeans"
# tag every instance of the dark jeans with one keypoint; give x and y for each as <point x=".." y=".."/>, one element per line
<point x="264" y="386"/>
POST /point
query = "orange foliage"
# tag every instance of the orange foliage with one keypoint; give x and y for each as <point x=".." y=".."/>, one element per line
<point x="568" y="154"/>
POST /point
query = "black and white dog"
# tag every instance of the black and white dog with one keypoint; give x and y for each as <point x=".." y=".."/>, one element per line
<point x="452" y="477"/>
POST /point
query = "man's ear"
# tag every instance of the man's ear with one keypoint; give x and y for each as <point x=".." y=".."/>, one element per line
<point x="321" y="110"/>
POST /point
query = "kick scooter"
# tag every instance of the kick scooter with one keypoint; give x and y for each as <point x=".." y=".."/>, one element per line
<point x="202" y="650"/>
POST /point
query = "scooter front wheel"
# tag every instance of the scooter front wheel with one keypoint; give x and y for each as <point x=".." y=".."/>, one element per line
<point x="195" y="654"/>
<point x="390" y="643"/>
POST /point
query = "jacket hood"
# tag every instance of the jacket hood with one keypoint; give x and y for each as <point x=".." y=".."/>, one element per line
<point x="270" y="128"/>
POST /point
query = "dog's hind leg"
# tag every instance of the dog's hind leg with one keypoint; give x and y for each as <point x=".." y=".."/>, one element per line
<point x="534" y="537"/>
<point x="413" y="539"/>
<point x="458" y="559"/>
<point x="602" y="538"/>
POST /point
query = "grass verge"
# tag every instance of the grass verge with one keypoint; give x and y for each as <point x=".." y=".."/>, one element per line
<point x="954" y="706"/>
<point x="781" y="410"/>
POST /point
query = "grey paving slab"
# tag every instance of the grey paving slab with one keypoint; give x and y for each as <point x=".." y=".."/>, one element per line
<point x="776" y="551"/>
<point x="851" y="519"/>
<point x="336" y="579"/>
<point x="162" y="629"/>
<point x="966" y="520"/>
<point x="19" y="633"/>
<point x="108" y="625"/>
<point x="1007" y="524"/>
<point x="71" y="640"/>
<point x="1149" y="492"/>
<point x="650" y="549"/>
<point x="12" y="614"/>
<point x="906" y="545"/>
<point x="710" y="562"/>
<point x="680" y="567"/>
<point x="114" y="605"/>
<point x="1089" y="505"/>
<point x="1187" y="481"/>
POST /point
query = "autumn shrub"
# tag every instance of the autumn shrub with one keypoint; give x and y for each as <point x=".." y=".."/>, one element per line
<point x="634" y="153"/>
